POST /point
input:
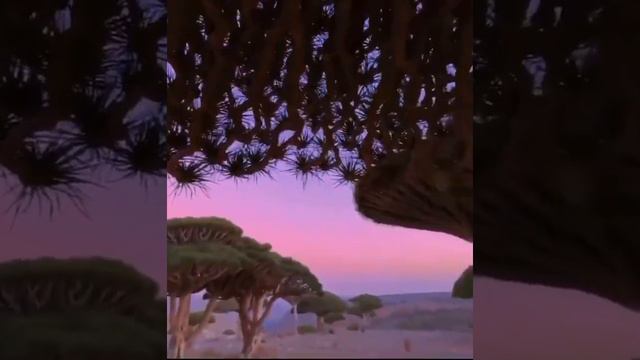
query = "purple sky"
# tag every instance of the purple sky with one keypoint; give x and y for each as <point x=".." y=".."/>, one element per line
<point x="528" y="322"/>
<point x="319" y="226"/>
<point x="126" y="223"/>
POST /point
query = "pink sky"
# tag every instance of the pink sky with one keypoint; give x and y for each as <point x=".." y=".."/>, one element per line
<point x="319" y="226"/>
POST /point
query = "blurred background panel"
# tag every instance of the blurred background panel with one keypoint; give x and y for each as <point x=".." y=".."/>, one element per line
<point x="82" y="167"/>
<point x="556" y="201"/>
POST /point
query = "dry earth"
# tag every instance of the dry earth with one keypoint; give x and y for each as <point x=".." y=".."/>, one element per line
<point x="441" y="327"/>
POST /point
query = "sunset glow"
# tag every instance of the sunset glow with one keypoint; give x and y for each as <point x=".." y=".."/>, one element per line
<point x="319" y="226"/>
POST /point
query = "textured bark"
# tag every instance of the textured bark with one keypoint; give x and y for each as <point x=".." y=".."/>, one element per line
<point x="206" y="318"/>
<point x="420" y="195"/>
<point x="254" y="309"/>
<point x="182" y="326"/>
<point x="430" y="185"/>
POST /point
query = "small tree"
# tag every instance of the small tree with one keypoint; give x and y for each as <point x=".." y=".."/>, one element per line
<point x="332" y="318"/>
<point x="326" y="307"/>
<point x="463" y="287"/>
<point x="365" y="306"/>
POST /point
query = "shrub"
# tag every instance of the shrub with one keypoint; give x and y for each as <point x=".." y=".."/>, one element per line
<point x="306" y="329"/>
<point x="353" y="327"/>
<point x="228" y="332"/>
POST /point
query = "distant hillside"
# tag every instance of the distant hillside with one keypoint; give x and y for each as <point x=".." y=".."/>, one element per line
<point x="419" y="311"/>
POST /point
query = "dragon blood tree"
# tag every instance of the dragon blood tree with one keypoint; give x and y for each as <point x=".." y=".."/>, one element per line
<point x="196" y="255"/>
<point x="377" y="93"/>
<point x="463" y="287"/>
<point x="266" y="278"/>
<point x="325" y="305"/>
<point x="82" y="308"/>
<point x="557" y="134"/>
<point x="82" y="86"/>
<point x="364" y="306"/>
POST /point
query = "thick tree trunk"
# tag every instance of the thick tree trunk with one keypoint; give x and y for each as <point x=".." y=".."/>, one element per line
<point x="182" y="326"/>
<point x="250" y="340"/>
<point x="208" y="312"/>
<point x="253" y="311"/>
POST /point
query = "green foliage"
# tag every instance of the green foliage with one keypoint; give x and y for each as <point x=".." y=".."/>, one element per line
<point x="81" y="308"/>
<point x="264" y="270"/>
<point x="307" y="329"/>
<point x="322" y="305"/>
<point x="364" y="305"/>
<point x="463" y="287"/>
<point x="201" y="248"/>
<point x="195" y="318"/>
<point x="201" y="229"/>
<point x="152" y="314"/>
<point x="79" y="335"/>
<point x="333" y="317"/>
<point x="228" y="332"/>
<point x="186" y="256"/>
<point x="75" y="283"/>
<point x="353" y="327"/>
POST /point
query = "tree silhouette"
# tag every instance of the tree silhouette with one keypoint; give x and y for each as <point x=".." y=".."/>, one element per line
<point x="259" y="284"/>
<point x="374" y="93"/>
<point x="211" y="253"/>
<point x="556" y="155"/>
<point x="324" y="87"/>
<point x="364" y="306"/>
<point x="197" y="253"/>
<point x="463" y="287"/>
<point x="82" y="87"/>
<point x="325" y="305"/>
<point x="78" y="308"/>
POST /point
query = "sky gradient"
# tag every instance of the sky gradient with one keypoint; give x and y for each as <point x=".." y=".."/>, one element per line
<point x="127" y="223"/>
<point x="319" y="226"/>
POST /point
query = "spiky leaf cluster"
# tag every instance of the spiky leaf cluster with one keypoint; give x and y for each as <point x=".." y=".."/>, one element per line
<point x="82" y="86"/>
<point x="320" y="86"/>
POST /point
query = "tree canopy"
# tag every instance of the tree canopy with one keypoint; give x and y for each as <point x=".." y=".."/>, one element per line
<point x="322" y="305"/>
<point x="239" y="274"/>
<point x="364" y="305"/>
<point x="463" y="287"/>
<point x="79" y="308"/>
<point x="50" y="284"/>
